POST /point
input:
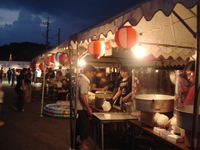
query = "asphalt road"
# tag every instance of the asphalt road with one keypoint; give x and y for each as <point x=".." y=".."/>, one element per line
<point x="28" y="130"/>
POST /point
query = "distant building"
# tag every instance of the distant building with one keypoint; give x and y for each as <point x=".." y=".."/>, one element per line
<point x="14" y="64"/>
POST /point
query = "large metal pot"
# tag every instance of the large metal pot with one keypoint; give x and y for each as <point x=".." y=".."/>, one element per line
<point x="185" y="117"/>
<point x="101" y="96"/>
<point x="154" y="103"/>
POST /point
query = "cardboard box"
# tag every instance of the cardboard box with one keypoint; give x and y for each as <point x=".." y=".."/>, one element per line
<point x="175" y="138"/>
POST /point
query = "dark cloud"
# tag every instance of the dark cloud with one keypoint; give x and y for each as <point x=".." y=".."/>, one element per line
<point x="70" y="16"/>
<point x="26" y="28"/>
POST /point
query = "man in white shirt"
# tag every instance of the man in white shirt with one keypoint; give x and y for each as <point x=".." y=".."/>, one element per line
<point x="83" y="109"/>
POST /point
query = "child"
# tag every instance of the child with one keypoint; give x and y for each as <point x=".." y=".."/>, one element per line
<point x="1" y="103"/>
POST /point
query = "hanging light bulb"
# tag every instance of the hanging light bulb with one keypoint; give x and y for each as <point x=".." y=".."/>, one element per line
<point x="82" y="62"/>
<point x="139" y="51"/>
<point x="57" y="64"/>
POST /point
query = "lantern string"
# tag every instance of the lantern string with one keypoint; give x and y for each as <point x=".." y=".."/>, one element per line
<point x="167" y="25"/>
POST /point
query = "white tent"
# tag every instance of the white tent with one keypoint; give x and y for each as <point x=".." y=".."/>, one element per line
<point x="167" y="29"/>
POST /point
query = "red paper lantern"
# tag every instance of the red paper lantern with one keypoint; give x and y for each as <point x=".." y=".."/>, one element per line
<point x="126" y="37"/>
<point x="47" y="61"/>
<point x="96" y="48"/>
<point x="52" y="58"/>
<point x="64" y="59"/>
<point x="41" y="66"/>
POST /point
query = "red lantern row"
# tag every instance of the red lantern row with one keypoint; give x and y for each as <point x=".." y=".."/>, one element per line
<point x="125" y="38"/>
<point x="62" y="58"/>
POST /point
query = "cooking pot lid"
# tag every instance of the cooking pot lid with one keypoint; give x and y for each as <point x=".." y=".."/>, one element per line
<point x="104" y="96"/>
<point x="154" y="97"/>
<point x="103" y="92"/>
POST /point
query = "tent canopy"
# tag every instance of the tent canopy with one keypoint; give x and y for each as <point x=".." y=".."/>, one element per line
<point x="166" y="29"/>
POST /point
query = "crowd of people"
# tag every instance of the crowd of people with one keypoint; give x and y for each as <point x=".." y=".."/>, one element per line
<point x="58" y="81"/>
<point x="22" y="78"/>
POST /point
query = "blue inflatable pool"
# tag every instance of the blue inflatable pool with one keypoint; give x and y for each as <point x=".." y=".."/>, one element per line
<point x="57" y="110"/>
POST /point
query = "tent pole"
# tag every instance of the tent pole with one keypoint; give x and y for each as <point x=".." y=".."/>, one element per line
<point x="194" y="139"/>
<point x="76" y="91"/>
<point x="43" y="86"/>
<point x="72" y="123"/>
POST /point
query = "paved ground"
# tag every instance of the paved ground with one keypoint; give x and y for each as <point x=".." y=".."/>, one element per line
<point x="28" y="130"/>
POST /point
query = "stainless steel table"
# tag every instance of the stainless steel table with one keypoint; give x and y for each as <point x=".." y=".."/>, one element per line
<point x="103" y="118"/>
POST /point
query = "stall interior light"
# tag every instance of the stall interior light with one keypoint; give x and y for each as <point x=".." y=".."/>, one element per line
<point x="139" y="51"/>
<point x="57" y="64"/>
<point x="81" y="62"/>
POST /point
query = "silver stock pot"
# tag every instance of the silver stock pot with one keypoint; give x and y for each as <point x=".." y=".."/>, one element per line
<point x="154" y="103"/>
<point x="101" y="96"/>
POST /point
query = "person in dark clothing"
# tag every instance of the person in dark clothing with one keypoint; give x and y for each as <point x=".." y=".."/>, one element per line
<point x="62" y="94"/>
<point x="110" y="86"/>
<point x="1" y="75"/>
<point x="97" y="80"/>
<point x="50" y="75"/>
<point x="9" y="75"/>
<point x="28" y="76"/>
<point x="125" y="88"/>
<point x="13" y="77"/>
<point x="20" y="89"/>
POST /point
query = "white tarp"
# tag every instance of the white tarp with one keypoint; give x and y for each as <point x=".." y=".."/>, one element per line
<point x="162" y="33"/>
<point x="147" y="9"/>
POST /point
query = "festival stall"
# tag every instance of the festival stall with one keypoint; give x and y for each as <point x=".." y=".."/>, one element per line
<point x="166" y="30"/>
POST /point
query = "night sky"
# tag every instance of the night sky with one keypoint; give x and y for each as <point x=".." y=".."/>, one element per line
<point x="23" y="21"/>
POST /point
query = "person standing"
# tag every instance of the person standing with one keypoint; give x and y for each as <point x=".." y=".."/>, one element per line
<point x="98" y="80"/>
<point x="190" y="73"/>
<point x="28" y="77"/>
<point x="13" y="77"/>
<point x="84" y="112"/>
<point x="20" y="90"/>
<point x="1" y="75"/>
<point x="1" y="103"/>
<point x="125" y="88"/>
<point x="59" y="76"/>
<point x="9" y="75"/>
